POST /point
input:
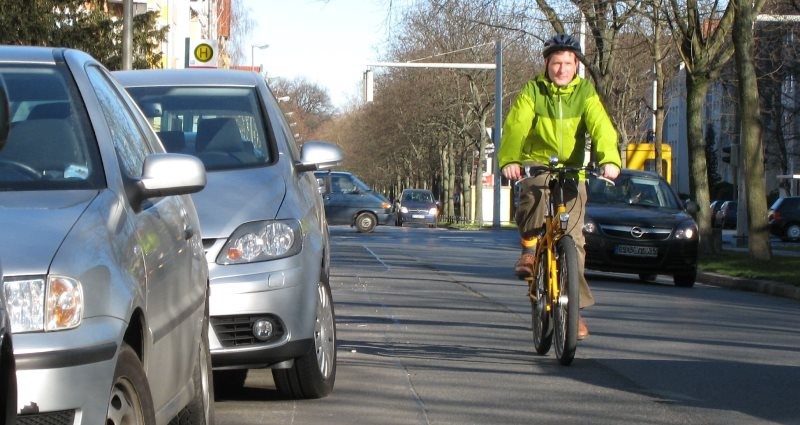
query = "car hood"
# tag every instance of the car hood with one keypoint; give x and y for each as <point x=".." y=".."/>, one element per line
<point x="635" y="215"/>
<point x="231" y="198"/>
<point x="418" y="205"/>
<point x="37" y="223"/>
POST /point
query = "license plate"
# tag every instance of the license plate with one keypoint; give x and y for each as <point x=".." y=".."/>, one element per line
<point x="636" y="251"/>
<point x="417" y="216"/>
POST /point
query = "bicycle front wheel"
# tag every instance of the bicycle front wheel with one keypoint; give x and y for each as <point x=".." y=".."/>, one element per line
<point x="540" y="316"/>
<point x="567" y="305"/>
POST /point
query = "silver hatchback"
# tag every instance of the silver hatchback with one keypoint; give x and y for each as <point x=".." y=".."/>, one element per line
<point x="103" y="264"/>
<point x="263" y="223"/>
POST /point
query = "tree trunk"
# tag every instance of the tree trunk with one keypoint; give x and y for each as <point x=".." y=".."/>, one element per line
<point x="696" y="89"/>
<point x="752" y="154"/>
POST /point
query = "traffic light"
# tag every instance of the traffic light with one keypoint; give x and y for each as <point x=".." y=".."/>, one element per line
<point x="730" y="155"/>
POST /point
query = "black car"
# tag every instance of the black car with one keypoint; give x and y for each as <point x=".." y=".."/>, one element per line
<point x="784" y="218"/>
<point x="726" y="216"/>
<point x="639" y="225"/>
<point x="417" y="206"/>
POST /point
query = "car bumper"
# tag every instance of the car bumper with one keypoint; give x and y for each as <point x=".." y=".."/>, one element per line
<point x="283" y="291"/>
<point x="671" y="258"/>
<point x="419" y="218"/>
<point x="65" y="377"/>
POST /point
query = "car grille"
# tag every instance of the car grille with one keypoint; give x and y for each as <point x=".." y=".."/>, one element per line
<point x="636" y="233"/>
<point x="237" y="331"/>
<point x="65" y="417"/>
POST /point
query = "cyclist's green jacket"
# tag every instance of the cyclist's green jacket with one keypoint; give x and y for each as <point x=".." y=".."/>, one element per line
<point x="547" y="120"/>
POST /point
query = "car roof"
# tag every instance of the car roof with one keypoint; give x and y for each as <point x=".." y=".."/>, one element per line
<point x="188" y="77"/>
<point x="28" y="54"/>
<point x="416" y="190"/>
<point x="640" y="173"/>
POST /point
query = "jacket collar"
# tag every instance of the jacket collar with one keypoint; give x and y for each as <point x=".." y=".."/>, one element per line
<point x="555" y="90"/>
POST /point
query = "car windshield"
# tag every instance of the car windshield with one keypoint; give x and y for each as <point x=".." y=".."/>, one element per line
<point x="49" y="145"/>
<point x="633" y="190"/>
<point x="418" y="196"/>
<point x="222" y="126"/>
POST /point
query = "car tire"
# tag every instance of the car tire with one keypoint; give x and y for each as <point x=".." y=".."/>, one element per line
<point x="647" y="277"/>
<point x="366" y="222"/>
<point x="130" y="401"/>
<point x="685" y="280"/>
<point x="229" y="381"/>
<point x="313" y="374"/>
<point x="200" y="411"/>
<point x="792" y="232"/>
<point x="8" y="374"/>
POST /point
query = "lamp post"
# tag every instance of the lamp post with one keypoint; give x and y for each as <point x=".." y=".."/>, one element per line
<point x="253" y="48"/>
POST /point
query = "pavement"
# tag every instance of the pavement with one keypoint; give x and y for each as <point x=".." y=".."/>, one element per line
<point x="730" y="242"/>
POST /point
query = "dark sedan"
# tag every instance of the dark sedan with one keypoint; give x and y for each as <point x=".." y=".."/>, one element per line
<point x="639" y="225"/>
<point x="418" y="206"/>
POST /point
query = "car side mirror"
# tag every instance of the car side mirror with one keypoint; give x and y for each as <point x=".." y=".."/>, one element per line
<point x="315" y="155"/>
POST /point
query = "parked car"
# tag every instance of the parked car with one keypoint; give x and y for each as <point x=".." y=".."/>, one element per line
<point x="715" y="206"/>
<point x="784" y="218"/>
<point x="350" y="201"/>
<point x="262" y="220"/>
<point x="726" y="216"/>
<point x="417" y="206"/>
<point x="8" y="367"/>
<point x="639" y="225"/>
<point x="104" y="271"/>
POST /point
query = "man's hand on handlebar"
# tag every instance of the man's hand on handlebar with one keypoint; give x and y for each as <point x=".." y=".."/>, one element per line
<point x="512" y="172"/>
<point x="609" y="171"/>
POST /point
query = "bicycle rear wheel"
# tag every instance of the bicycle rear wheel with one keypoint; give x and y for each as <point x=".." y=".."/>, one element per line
<point x="540" y="317"/>
<point x="567" y="306"/>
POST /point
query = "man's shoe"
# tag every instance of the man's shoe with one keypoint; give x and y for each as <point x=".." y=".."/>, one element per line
<point x="583" y="331"/>
<point x="524" y="267"/>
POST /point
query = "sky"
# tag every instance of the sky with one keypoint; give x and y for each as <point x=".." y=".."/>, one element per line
<point x="328" y="42"/>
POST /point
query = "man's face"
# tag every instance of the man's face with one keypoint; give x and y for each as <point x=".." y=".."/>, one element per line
<point x="561" y="67"/>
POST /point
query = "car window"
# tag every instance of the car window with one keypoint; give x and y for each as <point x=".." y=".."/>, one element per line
<point x="342" y="184"/>
<point x="50" y="142"/>
<point x="223" y="126"/>
<point x="633" y="190"/>
<point x="129" y="142"/>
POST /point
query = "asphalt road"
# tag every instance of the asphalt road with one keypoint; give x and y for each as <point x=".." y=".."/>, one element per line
<point x="433" y="329"/>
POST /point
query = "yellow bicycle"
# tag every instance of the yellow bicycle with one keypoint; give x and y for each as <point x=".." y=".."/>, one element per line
<point x="553" y="288"/>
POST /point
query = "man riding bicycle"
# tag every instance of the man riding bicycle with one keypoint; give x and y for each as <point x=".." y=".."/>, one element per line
<point x="550" y="117"/>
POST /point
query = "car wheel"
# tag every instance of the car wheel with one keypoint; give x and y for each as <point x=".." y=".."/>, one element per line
<point x="647" y="277"/>
<point x="313" y="374"/>
<point x="793" y="232"/>
<point x="366" y="222"/>
<point x="200" y="411"/>
<point x="685" y="280"/>
<point x="8" y="374"/>
<point x="229" y="381"/>
<point x="130" y="401"/>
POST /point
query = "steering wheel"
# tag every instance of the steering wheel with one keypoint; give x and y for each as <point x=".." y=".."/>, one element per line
<point x="22" y="168"/>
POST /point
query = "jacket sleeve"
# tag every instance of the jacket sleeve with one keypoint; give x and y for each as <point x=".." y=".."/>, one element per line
<point x="602" y="131"/>
<point x="516" y="127"/>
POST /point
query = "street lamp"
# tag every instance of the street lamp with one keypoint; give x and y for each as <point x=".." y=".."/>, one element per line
<point x="253" y="48"/>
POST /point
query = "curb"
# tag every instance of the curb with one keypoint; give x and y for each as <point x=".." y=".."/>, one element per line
<point x="751" y="285"/>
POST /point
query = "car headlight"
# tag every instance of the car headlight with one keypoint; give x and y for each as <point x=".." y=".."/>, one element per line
<point x="53" y="303"/>
<point x="262" y="241"/>
<point x="404" y="210"/>
<point x="589" y="226"/>
<point x="433" y="211"/>
<point x="686" y="230"/>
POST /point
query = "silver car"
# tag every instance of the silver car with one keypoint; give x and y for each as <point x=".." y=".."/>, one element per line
<point x="263" y="224"/>
<point x="105" y="277"/>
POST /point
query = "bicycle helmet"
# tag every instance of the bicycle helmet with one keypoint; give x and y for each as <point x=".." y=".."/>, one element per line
<point x="561" y="42"/>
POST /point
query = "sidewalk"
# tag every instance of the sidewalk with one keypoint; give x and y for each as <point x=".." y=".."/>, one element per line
<point x="752" y="285"/>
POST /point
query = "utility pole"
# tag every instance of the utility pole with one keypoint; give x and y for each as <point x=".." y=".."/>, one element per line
<point x="127" y="34"/>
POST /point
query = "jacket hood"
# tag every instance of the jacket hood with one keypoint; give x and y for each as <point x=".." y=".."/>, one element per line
<point x="234" y="197"/>
<point x="34" y="224"/>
